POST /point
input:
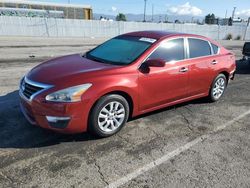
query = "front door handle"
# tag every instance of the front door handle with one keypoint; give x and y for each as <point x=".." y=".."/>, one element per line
<point x="184" y="69"/>
<point x="214" y="62"/>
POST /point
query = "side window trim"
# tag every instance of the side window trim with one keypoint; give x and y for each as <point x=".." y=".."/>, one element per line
<point x="186" y="46"/>
<point x="211" y="48"/>
<point x="188" y="50"/>
<point x="218" y="51"/>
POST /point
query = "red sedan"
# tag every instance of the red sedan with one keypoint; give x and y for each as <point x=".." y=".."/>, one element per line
<point x="126" y="76"/>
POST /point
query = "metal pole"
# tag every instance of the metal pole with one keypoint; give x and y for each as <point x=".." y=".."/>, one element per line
<point x="46" y="26"/>
<point x="145" y="7"/>
<point x="152" y="12"/>
<point x="233" y="13"/>
<point x="218" y="32"/>
<point x="248" y="22"/>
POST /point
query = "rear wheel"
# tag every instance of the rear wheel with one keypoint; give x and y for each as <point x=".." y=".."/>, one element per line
<point x="109" y="115"/>
<point x="218" y="87"/>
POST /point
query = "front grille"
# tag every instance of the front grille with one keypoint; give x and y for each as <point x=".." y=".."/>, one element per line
<point x="29" y="89"/>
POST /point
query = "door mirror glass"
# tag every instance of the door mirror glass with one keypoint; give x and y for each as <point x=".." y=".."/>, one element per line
<point x="155" y="63"/>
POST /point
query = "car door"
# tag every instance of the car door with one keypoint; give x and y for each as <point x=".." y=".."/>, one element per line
<point x="162" y="85"/>
<point x="201" y="61"/>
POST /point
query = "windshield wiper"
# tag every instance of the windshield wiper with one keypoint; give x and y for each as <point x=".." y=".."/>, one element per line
<point x="97" y="59"/>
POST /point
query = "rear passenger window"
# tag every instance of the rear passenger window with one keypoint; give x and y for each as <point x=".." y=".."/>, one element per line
<point x="172" y="50"/>
<point x="215" y="48"/>
<point x="198" y="48"/>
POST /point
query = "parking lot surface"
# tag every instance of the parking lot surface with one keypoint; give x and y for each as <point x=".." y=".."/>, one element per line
<point x="195" y="144"/>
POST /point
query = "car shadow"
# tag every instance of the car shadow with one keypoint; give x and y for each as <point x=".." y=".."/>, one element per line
<point x="242" y="67"/>
<point x="16" y="132"/>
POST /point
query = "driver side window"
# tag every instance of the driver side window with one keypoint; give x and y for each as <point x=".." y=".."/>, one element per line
<point x="172" y="50"/>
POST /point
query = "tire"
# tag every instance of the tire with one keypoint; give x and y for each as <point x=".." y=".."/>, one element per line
<point x="218" y="88"/>
<point x="109" y="115"/>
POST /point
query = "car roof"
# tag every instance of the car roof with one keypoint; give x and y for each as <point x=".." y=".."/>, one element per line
<point x="160" y="34"/>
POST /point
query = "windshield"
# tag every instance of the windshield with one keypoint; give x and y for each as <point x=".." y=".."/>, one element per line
<point x="121" y="50"/>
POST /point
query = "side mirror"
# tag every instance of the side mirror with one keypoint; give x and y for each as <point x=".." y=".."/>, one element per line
<point x="155" y="63"/>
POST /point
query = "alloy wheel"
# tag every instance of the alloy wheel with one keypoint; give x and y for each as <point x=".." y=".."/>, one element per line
<point x="111" y="116"/>
<point x="219" y="88"/>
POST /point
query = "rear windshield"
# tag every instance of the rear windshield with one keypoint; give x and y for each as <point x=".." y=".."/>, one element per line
<point x="121" y="50"/>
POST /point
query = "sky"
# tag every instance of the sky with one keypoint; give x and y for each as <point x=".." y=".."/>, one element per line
<point x="175" y="7"/>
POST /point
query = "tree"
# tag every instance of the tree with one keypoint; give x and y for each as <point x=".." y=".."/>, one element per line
<point x="210" y="19"/>
<point x="177" y="21"/>
<point x="121" y="17"/>
<point x="230" y="21"/>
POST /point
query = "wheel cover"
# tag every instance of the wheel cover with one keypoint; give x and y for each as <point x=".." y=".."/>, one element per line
<point x="111" y="116"/>
<point x="219" y="88"/>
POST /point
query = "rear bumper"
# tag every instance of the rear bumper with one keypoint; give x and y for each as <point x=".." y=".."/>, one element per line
<point x="64" y="118"/>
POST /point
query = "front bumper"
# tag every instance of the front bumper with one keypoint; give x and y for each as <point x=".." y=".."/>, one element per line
<point x="60" y="117"/>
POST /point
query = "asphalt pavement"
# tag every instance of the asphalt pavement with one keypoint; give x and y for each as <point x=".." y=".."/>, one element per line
<point x="195" y="144"/>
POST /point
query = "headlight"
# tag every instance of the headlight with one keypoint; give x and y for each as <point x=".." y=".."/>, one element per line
<point x="71" y="94"/>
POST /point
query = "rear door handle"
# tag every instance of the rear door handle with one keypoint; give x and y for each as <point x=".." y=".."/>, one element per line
<point x="184" y="69"/>
<point x="214" y="62"/>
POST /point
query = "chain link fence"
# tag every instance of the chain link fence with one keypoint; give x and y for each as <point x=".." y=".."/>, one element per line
<point x="52" y="27"/>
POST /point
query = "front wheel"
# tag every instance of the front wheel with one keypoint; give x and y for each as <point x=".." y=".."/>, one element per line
<point x="109" y="115"/>
<point x="218" y="88"/>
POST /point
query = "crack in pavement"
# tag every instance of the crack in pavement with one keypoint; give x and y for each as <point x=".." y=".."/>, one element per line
<point x="98" y="170"/>
<point x="186" y="119"/>
<point x="100" y="173"/>
<point x="161" y="137"/>
<point x="191" y="111"/>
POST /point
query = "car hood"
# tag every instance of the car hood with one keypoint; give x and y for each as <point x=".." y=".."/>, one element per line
<point x="65" y="68"/>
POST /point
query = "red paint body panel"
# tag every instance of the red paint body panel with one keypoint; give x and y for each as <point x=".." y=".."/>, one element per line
<point x="161" y="87"/>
